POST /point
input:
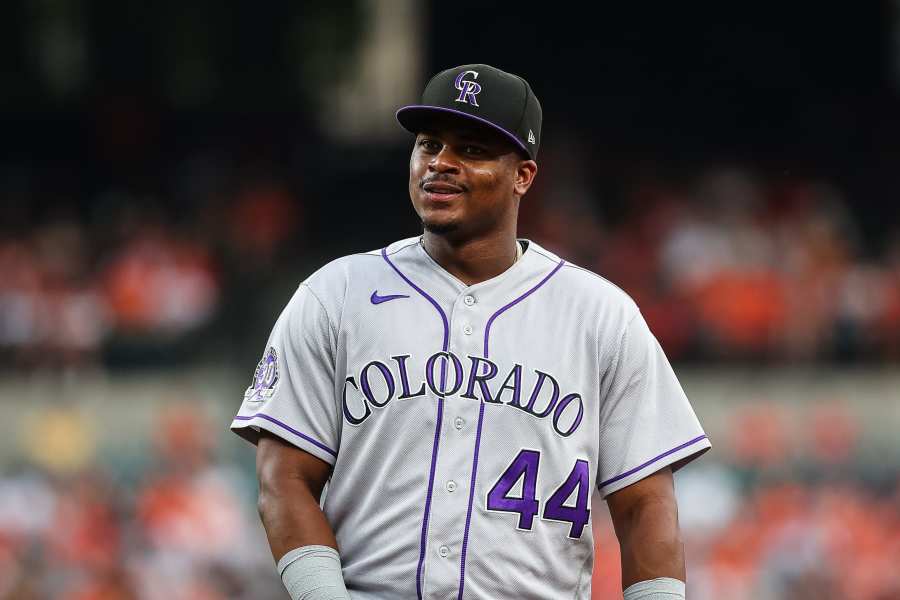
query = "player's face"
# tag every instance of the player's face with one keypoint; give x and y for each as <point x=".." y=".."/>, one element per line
<point x="466" y="180"/>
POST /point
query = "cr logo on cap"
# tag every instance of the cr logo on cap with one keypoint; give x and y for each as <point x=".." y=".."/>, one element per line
<point x="467" y="89"/>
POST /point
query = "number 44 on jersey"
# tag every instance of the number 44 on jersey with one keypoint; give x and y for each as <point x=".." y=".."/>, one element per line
<point x="524" y="468"/>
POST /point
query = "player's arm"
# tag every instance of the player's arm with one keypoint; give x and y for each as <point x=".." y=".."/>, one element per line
<point x="290" y="485"/>
<point x="301" y="539"/>
<point x="645" y="517"/>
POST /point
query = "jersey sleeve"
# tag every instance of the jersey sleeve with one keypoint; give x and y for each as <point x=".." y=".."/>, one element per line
<point x="292" y="392"/>
<point x="646" y="421"/>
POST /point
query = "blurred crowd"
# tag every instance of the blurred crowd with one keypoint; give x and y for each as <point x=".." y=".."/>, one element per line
<point x="175" y="523"/>
<point x="725" y="264"/>
<point x="173" y="516"/>
<point x="789" y="513"/>
<point x="778" y="541"/>
<point x="734" y="266"/>
<point x="133" y="276"/>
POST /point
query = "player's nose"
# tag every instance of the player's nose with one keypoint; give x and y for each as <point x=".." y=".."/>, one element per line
<point x="444" y="161"/>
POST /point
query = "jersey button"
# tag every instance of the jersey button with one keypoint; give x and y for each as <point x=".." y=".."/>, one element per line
<point x="458" y="422"/>
<point x="444" y="551"/>
<point x="451" y="486"/>
<point x="467" y="330"/>
<point x="469" y="300"/>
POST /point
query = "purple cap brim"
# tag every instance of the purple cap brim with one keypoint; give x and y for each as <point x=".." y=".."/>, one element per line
<point x="422" y="109"/>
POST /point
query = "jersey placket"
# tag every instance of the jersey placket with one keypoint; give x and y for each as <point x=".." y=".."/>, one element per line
<point x="458" y="438"/>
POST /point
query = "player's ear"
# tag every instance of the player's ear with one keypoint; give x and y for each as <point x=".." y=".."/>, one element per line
<point x="526" y="171"/>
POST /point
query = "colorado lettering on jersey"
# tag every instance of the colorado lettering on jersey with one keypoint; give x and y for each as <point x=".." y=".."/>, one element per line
<point x="380" y="382"/>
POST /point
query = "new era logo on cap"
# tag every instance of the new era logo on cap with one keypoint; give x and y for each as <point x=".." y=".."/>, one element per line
<point x="484" y="95"/>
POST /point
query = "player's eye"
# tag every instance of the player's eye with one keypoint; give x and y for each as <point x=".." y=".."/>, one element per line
<point x="474" y="150"/>
<point x="429" y="144"/>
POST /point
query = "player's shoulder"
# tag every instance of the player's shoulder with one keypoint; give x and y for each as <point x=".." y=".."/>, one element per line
<point x="331" y="283"/>
<point x="584" y="284"/>
<point x="333" y="279"/>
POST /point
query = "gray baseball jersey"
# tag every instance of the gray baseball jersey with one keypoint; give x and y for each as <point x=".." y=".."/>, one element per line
<point x="468" y="426"/>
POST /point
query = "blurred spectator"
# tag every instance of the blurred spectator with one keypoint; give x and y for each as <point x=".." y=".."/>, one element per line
<point x="159" y="285"/>
<point x="759" y="435"/>
<point x="263" y="218"/>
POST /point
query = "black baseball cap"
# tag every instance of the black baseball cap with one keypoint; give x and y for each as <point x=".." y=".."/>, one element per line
<point x="484" y="94"/>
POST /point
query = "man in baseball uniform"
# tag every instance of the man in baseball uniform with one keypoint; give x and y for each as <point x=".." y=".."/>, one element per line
<point x="464" y="393"/>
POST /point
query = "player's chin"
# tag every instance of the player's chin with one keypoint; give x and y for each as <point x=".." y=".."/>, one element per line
<point x="440" y="226"/>
<point x="440" y="218"/>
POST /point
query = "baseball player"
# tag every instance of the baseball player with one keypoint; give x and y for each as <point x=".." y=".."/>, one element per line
<point x="433" y="417"/>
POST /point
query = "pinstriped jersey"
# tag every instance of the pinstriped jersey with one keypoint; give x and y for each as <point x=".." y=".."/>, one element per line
<point x="468" y="426"/>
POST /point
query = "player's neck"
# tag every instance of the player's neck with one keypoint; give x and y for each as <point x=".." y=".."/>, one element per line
<point x="474" y="260"/>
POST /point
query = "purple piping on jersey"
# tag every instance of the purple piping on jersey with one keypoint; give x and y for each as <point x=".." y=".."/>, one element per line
<point x="487" y="329"/>
<point x="434" y="303"/>
<point x="437" y="430"/>
<point x="651" y="461"/>
<point x="315" y="443"/>
<point x="462" y="561"/>
<point x="511" y="136"/>
<point x="487" y="333"/>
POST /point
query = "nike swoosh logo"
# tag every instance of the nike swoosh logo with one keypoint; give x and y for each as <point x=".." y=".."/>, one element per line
<point x="376" y="299"/>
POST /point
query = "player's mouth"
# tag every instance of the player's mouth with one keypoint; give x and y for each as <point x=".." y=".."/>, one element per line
<point x="442" y="191"/>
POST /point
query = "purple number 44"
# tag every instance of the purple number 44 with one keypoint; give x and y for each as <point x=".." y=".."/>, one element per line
<point x="525" y="467"/>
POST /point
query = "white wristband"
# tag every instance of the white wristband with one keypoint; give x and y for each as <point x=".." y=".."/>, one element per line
<point x="661" y="588"/>
<point x="313" y="573"/>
